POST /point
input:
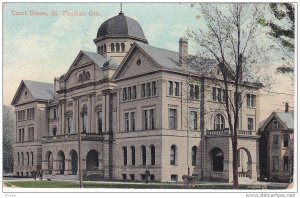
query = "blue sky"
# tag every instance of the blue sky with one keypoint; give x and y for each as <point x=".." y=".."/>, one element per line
<point x="43" y="47"/>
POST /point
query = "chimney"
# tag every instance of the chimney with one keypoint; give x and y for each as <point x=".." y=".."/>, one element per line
<point x="286" y="107"/>
<point x="183" y="51"/>
<point x="56" y="85"/>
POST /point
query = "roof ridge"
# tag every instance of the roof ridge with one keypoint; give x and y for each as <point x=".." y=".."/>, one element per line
<point x="37" y="81"/>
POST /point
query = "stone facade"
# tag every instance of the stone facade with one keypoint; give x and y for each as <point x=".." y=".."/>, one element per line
<point x="134" y="112"/>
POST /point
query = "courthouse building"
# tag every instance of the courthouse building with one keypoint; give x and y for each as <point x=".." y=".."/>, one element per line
<point x="136" y="107"/>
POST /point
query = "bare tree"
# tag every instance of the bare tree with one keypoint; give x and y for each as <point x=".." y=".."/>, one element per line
<point x="8" y="138"/>
<point x="232" y="38"/>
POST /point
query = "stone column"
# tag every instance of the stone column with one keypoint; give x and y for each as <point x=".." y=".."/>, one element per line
<point x="75" y="130"/>
<point x="63" y="117"/>
<point x="93" y="120"/>
<point x="59" y="119"/>
<point x="55" y="170"/>
<point x="68" y="167"/>
<point x="90" y="110"/>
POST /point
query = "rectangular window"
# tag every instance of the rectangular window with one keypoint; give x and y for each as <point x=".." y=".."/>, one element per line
<point x="275" y="141"/>
<point x="224" y="95"/>
<point x="124" y="94"/>
<point x="153" y="88"/>
<point x="286" y="163"/>
<point x="170" y="88"/>
<point x="30" y="134"/>
<point x="70" y="125"/>
<point x="134" y="92"/>
<point x="23" y="115"/>
<point x="100" y="121"/>
<point x="152" y="119"/>
<point x="132" y="177"/>
<point x="286" y="140"/>
<point x="172" y="118"/>
<point x="219" y="94"/>
<point x="174" y="178"/>
<point x="126" y="122"/>
<point x="132" y="120"/>
<point x="28" y="114"/>
<point x="54" y="114"/>
<point x="124" y="176"/>
<point x="275" y="124"/>
<point x="251" y="100"/>
<point x="197" y="92"/>
<point x="20" y="135"/>
<point x="176" y="88"/>
<point x="250" y="124"/>
<point x="214" y="94"/>
<point x="143" y="91"/>
<point x="193" y="124"/>
<point x="129" y="93"/>
<point x="191" y="91"/>
<point x="145" y="118"/>
<point x="23" y="135"/>
<point x="148" y="89"/>
<point x="275" y="163"/>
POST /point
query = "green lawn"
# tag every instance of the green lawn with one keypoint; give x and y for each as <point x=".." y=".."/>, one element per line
<point x="68" y="184"/>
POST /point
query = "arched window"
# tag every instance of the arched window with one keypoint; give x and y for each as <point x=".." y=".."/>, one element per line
<point x="18" y="158"/>
<point x="144" y="159"/>
<point x="54" y="130"/>
<point x="104" y="48"/>
<point x="152" y="149"/>
<point x="118" y="47"/>
<point x="217" y="157"/>
<point x="122" y="47"/>
<point x="173" y="155"/>
<point x="219" y="122"/>
<point x="84" y="119"/>
<point x="27" y="157"/>
<point x="32" y="159"/>
<point x="98" y="49"/>
<point x="125" y="155"/>
<point x="22" y="159"/>
<point x="132" y="155"/>
<point x="112" y="47"/>
<point x="194" y="155"/>
<point x="101" y="50"/>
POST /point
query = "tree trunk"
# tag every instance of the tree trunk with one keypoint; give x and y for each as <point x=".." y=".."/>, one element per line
<point x="234" y="163"/>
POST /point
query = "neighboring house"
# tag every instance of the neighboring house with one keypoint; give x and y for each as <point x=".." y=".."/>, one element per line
<point x="276" y="147"/>
<point x="137" y="108"/>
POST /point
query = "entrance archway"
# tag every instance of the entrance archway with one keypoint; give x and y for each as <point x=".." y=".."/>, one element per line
<point x="92" y="160"/>
<point x="74" y="162"/>
<point x="49" y="158"/>
<point x="217" y="158"/>
<point x="244" y="163"/>
<point x="61" y="162"/>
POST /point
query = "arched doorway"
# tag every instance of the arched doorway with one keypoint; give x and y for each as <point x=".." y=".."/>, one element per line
<point x="244" y="163"/>
<point x="217" y="158"/>
<point x="49" y="158"/>
<point x="92" y="160"/>
<point x="61" y="162"/>
<point x="74" y="162"/>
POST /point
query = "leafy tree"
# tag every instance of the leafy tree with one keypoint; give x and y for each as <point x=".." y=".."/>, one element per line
<point x="232" y="38"/>
<point x="8" y="138"/>
<point x="282" y="29"/>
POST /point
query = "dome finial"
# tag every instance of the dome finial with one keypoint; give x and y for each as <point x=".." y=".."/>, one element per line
<point x="120" y="13"/>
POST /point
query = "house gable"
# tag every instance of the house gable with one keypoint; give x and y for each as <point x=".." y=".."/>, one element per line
<point x="22" y="95"/>
<point x="136" y="63"/>
<point x="82" y="71"/>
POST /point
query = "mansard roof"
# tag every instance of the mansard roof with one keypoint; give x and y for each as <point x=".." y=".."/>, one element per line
<point x="39" y="90"/>
<point x="285" y="118"/>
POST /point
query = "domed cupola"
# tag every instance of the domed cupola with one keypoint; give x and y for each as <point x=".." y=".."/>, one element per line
<point x="121" y="26"/>
<point x="115" y="36"/>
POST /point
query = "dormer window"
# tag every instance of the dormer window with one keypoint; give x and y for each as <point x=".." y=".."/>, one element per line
<point x="123" y="47"/>
<point x="112" y="47"/>
<point x="118" y="47"/>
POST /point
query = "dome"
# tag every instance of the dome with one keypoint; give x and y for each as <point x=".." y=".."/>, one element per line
<point x="120" y="26"/>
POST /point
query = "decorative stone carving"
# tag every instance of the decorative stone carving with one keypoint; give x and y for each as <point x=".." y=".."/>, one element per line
<point x="84" y="76"/>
